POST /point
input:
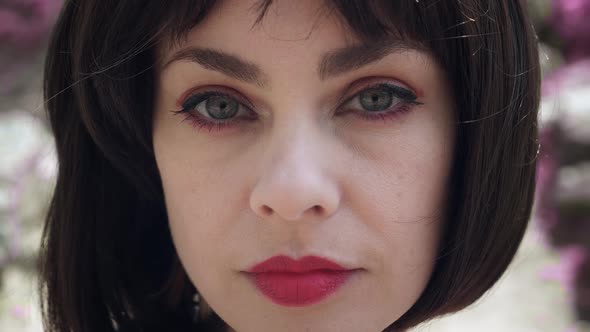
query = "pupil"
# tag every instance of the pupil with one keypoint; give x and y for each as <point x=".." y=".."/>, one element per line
<point x="220" y="108"/>
<point x="376" y="100"/>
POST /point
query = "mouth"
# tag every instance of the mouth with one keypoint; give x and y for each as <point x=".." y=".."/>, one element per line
<point x="296" y="283"/>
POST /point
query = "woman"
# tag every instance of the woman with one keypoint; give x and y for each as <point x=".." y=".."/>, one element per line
<point x="294" y="166"/>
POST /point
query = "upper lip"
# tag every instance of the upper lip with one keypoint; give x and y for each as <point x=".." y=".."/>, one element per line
<point x="284" y="263"/>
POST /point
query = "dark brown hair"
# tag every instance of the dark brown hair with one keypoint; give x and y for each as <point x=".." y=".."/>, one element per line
<point x="107" y="259"/>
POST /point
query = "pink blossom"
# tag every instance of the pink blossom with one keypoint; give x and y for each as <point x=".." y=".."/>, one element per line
<point x="570" y="20"/>
<point x="570" y="260"/>
<point x="24" y="24"/>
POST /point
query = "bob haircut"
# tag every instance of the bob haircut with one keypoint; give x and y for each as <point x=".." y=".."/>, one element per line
<point x="107" y="260"/>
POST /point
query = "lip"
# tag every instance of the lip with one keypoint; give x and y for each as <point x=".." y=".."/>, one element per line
<point x="303" y="282"/>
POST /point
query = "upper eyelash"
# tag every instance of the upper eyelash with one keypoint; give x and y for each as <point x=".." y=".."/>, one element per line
<point x="202" y="96"/>
<point x="406" y="95"/>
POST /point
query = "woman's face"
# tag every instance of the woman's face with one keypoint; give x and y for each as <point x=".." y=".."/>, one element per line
<point x="340" y="155"/>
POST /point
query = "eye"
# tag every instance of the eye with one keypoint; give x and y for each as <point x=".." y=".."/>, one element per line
<point x="215" y="105"/>
<point x="214" y="110"/>
<point x="381" y="101"/>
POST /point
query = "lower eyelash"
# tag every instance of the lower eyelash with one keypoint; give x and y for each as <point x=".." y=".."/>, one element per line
<point x="388" y="115"/>
<point x="199" y="123"/>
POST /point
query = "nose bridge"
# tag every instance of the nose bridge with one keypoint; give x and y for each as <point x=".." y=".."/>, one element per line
<point x="296" y="178"/>
<point x="291" y="144"/>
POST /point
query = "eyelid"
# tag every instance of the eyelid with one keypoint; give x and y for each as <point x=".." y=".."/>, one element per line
<point x="214" y="89"/>
<point x="364" y="84"/>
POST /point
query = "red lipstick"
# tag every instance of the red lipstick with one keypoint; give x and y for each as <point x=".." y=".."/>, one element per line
<point x="290" y="282"/>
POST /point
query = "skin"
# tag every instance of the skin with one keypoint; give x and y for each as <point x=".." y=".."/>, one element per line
<point x="303" y="179"/>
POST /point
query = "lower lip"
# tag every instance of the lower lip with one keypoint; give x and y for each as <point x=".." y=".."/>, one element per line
<point x="299" y="289"/>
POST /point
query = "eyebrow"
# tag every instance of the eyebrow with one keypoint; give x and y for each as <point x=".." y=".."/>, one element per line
<point x="332" y="64"/>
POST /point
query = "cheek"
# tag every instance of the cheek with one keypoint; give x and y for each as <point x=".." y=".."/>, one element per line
<point x="191" y="197"/>
<point x="405" y="180"/>
<point x="406" y="230"/>
<point x="401" y="195"/>
<point x="403" y="204"/>
<point x="196" y="200"/>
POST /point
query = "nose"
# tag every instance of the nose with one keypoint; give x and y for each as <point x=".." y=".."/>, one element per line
<point x="297" y="181"/>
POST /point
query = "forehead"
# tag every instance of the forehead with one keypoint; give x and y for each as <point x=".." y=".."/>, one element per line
<point x="284" y="20"/>
<point x="302" y="35"/>
<point x="287" y="27"/>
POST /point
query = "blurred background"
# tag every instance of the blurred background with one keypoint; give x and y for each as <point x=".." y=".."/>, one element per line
<point x="547" y="287"/>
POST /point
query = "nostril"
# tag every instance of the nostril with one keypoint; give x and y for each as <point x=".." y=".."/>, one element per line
<point x="266" y="210"/>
